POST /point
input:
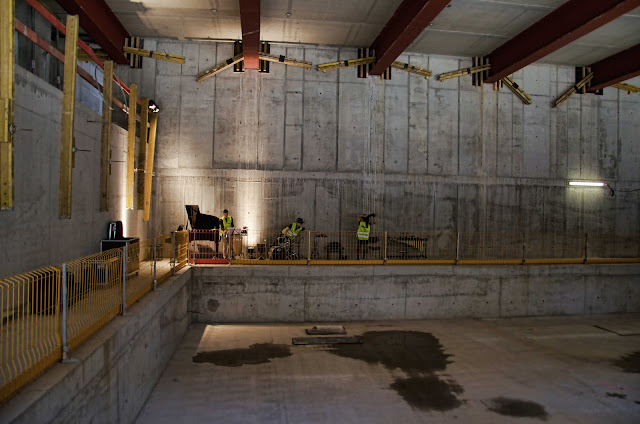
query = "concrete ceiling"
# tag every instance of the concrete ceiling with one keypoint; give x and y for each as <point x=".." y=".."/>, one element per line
<point x="466" y="28"/>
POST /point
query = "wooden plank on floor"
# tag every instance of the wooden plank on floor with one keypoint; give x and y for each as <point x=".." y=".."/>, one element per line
<point x="326" y="340"/>
<point x="325" y="330"/>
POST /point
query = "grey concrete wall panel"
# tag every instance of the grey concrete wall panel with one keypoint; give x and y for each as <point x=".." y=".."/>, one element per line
<point x="196" y="124"/>
<point x="396" y="127"/>
<point x="319" y="144"/>
<point x="316" y="294"/>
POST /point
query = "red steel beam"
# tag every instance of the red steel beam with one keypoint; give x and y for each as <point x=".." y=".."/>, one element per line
<point x="84" y="46"/>
<point x="102" y="25"/>
<point x="567" y="23"/>
<point x="619" y="67"/>
<point x="406" y="24"/>
<point x="44" y="45"/>
<point x="250" y="22"/>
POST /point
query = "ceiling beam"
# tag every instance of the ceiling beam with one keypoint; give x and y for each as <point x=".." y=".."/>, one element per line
<point x="102" y="25"/>
<point x="567" y="23"/>
<point x="613" y="69"/>
<point x="250" y="21"/>
<point x="406" y="24"/>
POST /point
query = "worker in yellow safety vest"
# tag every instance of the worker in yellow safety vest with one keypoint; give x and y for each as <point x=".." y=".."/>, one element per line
<point x="294" y="229"/>
<point x="364" y="229"/>
<point x="226" y="222"/>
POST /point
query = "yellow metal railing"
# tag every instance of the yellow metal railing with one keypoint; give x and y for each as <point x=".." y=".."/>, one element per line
<point x="30" y="339"/>
<point x="405" y="248"/>
<point x="50" y="311"/>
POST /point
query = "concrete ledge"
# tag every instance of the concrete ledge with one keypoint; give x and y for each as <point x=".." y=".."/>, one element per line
<point x="118" y="366"/>
<point x="360" y="293"/>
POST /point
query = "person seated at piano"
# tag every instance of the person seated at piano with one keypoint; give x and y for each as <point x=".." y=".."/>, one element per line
<point x="226" y="222"/>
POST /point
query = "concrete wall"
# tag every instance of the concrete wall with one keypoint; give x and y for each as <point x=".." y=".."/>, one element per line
<point x="358" y="293"/>
<point x="32" y="235"/>
<point x="117" y="368"/>
<point x="420" y="153"/>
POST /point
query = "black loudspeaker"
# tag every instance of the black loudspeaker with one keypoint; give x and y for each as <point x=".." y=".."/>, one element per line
<point x="115" y="231"/>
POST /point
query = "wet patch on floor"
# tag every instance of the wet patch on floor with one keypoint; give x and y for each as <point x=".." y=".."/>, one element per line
<point x="428" y="393"/>
<point x="420" y="355"/>
<point x="629" y="363"/>
<point x="617" y="395"/>
<point x="517" y="408"/>
<point x="260" y="353"/>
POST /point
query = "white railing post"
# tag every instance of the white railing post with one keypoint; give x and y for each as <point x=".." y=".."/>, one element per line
<point x="384" y="251"/>
<point x="586" y="247"/>
<point x="457" y="247"/>
<point x="65" y="341"/>
<point x="173" y="253"/>
<point x="124" y="279"/>
<point x="155" y="280"/>
<point x="524" y="249"/>
<point x="308" y="247"/>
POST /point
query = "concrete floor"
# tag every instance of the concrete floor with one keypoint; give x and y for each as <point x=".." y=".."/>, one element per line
<point x="556" y="369"/>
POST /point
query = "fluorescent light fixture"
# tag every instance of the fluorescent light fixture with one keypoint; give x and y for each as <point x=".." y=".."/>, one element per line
<point x="587" y="183"/>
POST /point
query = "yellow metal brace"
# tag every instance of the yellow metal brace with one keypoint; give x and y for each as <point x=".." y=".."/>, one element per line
<point x="324" y="67"/>
<point x="68" y="109"/>
<point x="105" y="137"/>
<point x="131" y="143"/>
<point x="573" y="90"/>
<point x="142" y="151"/>
<point x="629" y="88"/>
<point x="7" y="129"/>
<point x="412" y="69"/>
<point x="286" y="60"/>
<point x="220" y="67"/>
<point x="463" y="72"/>
<point x="148" y="173"/>
<point x="519" y="92"/>
<point x="155" y="54"/>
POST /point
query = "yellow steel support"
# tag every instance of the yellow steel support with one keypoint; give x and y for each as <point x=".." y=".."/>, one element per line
<point x="324" y="67"/>
<point x="463" y="72"/>
<point x="131" y="143"/>
<point x="220" y="67"/>
<point x="105" y="140"/>
<point x="412" y="69"/>
<point x="155" y="54"/>
<point x="519" y="92"/>
<point x="7" y="129"/>
<point x="285" y="60"/>
<point x="142" y="151"/>
<point x="629" y="88"/>
<point x="573" y="90"/>
<point x="68" y="109"/>
<point x="148" y="173"/>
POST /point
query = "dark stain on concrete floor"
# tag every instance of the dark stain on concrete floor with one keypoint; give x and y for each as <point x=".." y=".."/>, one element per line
<point x="629" y="363"/>
<point x="617" y="395"/>
<point x="428" y="392"/>
<point x="260" y="353"/>
<point x="517" y="408"/>
<point x="419" y="355"/>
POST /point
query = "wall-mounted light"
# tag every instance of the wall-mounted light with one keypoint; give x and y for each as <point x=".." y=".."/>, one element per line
<point x="587" y="183"/>
<point x="591" y="184"/>
<point x="153" y="107"/>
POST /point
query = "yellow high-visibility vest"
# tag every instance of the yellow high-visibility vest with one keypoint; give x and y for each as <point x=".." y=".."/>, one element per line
<point x="226" y="223"/>
<point x="363" y="230"/>
<point x="293" y="230"/>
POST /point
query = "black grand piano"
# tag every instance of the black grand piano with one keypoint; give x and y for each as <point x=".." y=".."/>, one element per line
<point x="206" y="232"/>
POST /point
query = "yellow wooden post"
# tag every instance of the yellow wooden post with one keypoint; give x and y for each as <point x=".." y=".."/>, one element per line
<point x="131" y="144"/>
<point x="148" y="173"/>
<point x="7" y="16"/>
<point x="105" y="141"/>
<point x="142" y="153"/>
<point x="68" y="109"/>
